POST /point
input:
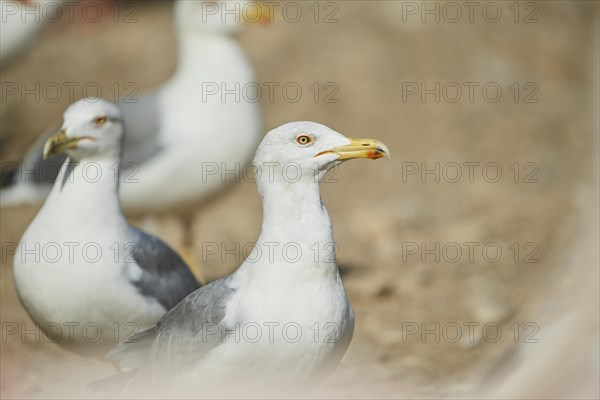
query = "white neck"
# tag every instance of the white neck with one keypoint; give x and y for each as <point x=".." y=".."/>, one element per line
<point x="87" y="189"/>
<point x="204" y="51"/>
<point x="294" y="208"/>
<point x="293" y="218"/>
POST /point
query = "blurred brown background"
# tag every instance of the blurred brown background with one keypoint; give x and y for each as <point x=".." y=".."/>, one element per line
<point x="373" y="54"/>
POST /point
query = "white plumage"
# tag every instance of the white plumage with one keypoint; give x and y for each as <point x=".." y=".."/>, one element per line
<point x="79" y="260"/>
<point x="282" y="320"/>
<point x="179" y="134"/>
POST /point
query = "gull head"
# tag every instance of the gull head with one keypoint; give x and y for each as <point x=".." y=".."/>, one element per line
<point x="92" y="128"/>
<point x="220" y="17"/>
<point x="312" y="149"/>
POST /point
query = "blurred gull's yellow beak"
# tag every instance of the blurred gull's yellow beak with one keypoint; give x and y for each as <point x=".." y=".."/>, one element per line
<point x="59" y="142"/>
<point x="259" y="12"/>
<point x="360" y="148"/>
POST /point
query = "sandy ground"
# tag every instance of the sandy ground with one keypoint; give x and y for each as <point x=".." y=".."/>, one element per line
<point x="374" y="54"/>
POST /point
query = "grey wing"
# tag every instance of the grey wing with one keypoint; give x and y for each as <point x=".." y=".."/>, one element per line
<point x="142" y="122"/>
<point x="165" y="276"/>
<point x="181" y="337"/>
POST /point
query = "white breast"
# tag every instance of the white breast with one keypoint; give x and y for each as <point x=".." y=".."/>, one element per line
<point x="71" y="265"/>
<point x="203" y="136"/>
<point x="282" y="333"/>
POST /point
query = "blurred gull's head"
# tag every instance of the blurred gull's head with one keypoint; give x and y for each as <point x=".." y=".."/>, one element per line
<point x="92" y="128"/>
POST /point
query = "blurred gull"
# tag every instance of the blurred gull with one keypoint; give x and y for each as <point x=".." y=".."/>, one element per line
<point x="282" y="319"/>
<point x="183" y="129"/>
<point x="79" y="260"/>
<point x="21" y="22"/>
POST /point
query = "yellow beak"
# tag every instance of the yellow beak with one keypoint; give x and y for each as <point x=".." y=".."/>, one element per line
<point x="258" y="12"/>
<point x="59" y="142"/>
<point x="360" y="148"/>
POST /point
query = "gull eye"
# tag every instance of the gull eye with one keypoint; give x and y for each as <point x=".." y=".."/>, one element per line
<point x="100" y="121"/>
<point x="303" y="140"/>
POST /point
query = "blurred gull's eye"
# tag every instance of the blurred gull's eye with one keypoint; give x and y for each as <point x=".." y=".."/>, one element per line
<point x="303" y="140"/>
<point x="100" y="121"/>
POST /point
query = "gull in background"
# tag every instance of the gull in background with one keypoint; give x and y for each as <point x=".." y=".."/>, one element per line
<point x="21" y="22"/>
<point x="282" y="320"/>
<point x="79" y="261"/>
<point x="181" y="127"/>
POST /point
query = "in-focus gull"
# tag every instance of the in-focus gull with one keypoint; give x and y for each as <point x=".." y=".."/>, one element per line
<point x="282" y="319"/>
<point x="80" y="268"/>
<point x="187" y="126"/>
